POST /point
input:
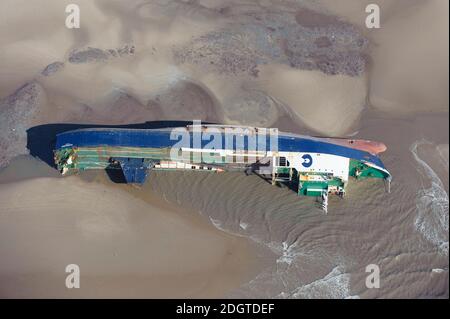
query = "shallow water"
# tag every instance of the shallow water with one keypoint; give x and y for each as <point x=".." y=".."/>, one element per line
<point x="325" y="256"/>
<point x="432" y="204"/>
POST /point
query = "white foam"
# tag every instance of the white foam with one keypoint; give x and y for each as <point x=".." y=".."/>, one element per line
<point x="432" y="206"/>
<point x="437" y="270"/>
<point x="243" y="225"/>
<point x="443" y="154"/>
<point x="335" y="285"/>
<point x="288" y="253"/>
<point x="217" y="224"/>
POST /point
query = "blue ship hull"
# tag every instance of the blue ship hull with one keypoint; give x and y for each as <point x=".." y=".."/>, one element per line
<point x="160" y="138"/>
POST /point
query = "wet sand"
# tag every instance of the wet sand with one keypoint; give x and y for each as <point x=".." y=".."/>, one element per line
<point x="124" y="246"/>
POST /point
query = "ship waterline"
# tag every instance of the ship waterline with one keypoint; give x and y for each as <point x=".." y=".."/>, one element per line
<point x="314" y="166"/>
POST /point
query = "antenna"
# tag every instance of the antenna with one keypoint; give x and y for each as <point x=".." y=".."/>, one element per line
<point x="387" y="184"/>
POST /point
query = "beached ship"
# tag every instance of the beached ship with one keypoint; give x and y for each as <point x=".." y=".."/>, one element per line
<point x="316" y="166"/>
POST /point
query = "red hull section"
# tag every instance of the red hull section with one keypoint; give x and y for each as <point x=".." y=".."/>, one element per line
<point x="371" y="147"/>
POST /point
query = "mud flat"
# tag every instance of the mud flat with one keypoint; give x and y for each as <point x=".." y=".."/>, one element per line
<point x="124" y="246"/>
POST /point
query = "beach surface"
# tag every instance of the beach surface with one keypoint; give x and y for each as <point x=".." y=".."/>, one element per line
<point x="123" y="245"/>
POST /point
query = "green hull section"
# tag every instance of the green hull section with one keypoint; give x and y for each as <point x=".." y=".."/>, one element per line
<point x="100" y="158"/>
<point x="70" y="160"/>
<point x="360" y="170"/>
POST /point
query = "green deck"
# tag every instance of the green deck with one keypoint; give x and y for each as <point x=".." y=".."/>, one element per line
<point x="365" y="170"/>
<point x="100" y="158"/>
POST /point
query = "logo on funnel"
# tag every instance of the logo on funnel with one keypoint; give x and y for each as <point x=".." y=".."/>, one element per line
<point x="307" y="160"/>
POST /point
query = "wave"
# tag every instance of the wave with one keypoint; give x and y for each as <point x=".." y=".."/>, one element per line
<point x="336" y="285"/>
<point x="432" y="205"/>
<point x="283" y="276"/>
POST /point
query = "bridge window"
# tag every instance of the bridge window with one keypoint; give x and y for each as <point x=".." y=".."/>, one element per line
<point x="282" y="161"/>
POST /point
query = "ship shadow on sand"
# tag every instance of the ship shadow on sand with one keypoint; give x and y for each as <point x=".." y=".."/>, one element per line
<point x="41" y="139"/>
